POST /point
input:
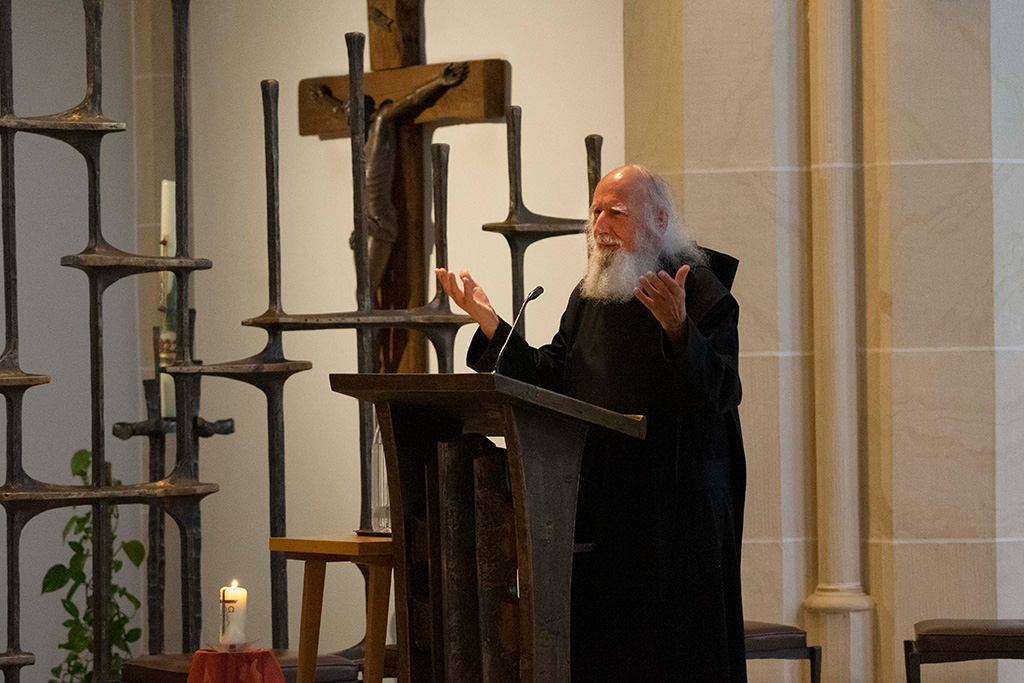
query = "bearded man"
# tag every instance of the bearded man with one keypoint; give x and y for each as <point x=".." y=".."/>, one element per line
<point x="649" y="330"/>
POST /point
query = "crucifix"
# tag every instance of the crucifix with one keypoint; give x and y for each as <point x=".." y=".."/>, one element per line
<point x="477" y="92"/>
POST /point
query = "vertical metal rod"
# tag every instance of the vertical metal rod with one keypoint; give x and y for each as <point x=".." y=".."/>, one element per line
<point x="190" y="528"/>
<point x="101" y="578"/>
<point x="278" y="526"/>
<point x="271" y="152"/>
<point x="156" y="558"/>
<point x="6" y="60"/>
<point x="357" y="127"/>
<point x="444" y="347"/>
<point x="7" y="165"/>
<point x="364" y="337"/>
<point x="186" y="387"/>
<point x="181" y="174"/>
<point x="90" y="149"/>
<point x="10" y="253"/>
<point x="593" y="143"/>
<point x="518" y="252"/>
<point x="439" y="162"/>
<point x="15" y="470"/>
<point x="186" y="399"/>
<point x="93" y="55"/>
<point x="15" y="523"/>
<point x="101" y="560"/>
<point x="513" y="123"/>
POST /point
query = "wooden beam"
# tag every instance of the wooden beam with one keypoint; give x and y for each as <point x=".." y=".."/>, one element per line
<point x="481" y="98"/>
<point x="396" y="33"/>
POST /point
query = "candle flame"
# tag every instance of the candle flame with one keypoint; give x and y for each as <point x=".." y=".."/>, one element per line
<point x="234" y="584"/>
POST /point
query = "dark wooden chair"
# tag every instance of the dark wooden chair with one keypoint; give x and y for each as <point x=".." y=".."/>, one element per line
<point x="779" y="641"/>
<point x="961" y="640"/>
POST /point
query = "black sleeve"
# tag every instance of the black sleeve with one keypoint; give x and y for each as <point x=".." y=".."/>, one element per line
<point x="707" y="359"/>
<point x="543" y="367"/>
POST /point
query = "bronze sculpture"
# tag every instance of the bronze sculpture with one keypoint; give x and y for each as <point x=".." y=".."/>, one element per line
<point x="381" y="140"/>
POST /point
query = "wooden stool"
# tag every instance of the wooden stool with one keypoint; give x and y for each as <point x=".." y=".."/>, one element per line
<point x="373" y="551"/>
<point x="779" y="641"/>
<point x="960" y="640"/>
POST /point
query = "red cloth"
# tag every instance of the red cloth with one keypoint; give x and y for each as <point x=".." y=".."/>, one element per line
<point x="254" y="666"/>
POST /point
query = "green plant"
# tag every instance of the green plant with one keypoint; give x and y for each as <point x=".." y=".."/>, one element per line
<point x="78" y="533"/>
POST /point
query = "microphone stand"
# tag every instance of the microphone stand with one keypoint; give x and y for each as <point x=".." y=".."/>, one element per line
<point x="537" y="291"/>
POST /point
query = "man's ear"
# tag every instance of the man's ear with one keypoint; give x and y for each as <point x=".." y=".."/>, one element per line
<point x="662" y="220"/>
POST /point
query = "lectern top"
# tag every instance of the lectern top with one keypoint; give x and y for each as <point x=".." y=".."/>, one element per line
<point x="478" y="399"/>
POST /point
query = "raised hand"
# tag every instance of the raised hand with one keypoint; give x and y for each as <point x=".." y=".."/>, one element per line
<point x="665" y="297"/>
<point x="471" y="298"/>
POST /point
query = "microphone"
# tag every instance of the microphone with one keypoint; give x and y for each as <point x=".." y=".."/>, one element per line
<point x="537" y="291"/>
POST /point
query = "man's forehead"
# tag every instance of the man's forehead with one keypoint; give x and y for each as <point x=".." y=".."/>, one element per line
<point x="615" y="191"/>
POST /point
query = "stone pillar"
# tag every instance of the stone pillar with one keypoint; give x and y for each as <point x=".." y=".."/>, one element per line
<point x="839" y="602"/>
<point x="938" y="271"/>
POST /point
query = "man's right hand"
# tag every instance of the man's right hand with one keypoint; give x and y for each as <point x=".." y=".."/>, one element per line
<point x="471" y="298"/>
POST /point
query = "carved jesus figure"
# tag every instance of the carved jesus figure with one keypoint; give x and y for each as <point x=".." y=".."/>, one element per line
<point x="381" y="137"/>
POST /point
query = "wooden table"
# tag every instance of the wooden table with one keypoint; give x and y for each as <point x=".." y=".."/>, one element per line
<point x="373" y="551"/>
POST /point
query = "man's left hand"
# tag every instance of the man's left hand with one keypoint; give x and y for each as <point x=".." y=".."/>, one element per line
<point x="665" y="297"/>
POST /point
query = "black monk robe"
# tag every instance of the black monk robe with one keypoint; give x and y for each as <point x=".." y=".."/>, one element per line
<point x="660" y="599"/>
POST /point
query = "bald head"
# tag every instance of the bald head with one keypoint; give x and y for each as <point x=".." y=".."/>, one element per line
<point x="632" y="221"/>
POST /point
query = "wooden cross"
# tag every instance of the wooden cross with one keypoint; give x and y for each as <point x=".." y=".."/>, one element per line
<point x="397" y="59"/>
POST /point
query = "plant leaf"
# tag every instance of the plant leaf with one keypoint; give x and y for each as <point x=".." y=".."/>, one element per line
<point x="134" y="600"/>
<point x="77" y="547"/>
<point x="78" y="639"/>
<point x="133" y="635"/>
<point x="77" y="562"/>
<point x="78" y="576"/>
<point x="70" y="607"/>
<point x="67" y="528"/>
<point x="56" y="577"/>
<point x="80" y="463"/>
<point x="135" y="551"/>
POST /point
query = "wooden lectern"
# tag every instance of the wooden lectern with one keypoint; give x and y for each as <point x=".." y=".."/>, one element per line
<point x="456" y="552"/>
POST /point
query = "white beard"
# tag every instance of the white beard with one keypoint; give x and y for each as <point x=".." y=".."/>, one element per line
<point x="613" y="275"/>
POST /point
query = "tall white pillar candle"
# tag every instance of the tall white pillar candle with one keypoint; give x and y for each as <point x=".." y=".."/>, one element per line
<point x="168" y="339"/>
<point x="232" y="614"/>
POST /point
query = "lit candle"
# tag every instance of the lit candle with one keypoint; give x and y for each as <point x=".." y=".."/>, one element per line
<point x="232" y="614"/>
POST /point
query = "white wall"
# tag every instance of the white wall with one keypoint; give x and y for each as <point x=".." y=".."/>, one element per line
<point x="567" y="75"/>
<point x="49" y="76"/>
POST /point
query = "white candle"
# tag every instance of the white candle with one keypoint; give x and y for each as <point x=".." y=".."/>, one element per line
<point x="232" y="614"/>
<point x="168" y="339"/>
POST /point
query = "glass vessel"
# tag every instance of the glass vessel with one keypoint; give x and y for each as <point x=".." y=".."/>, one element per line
<point x="380" y="500"/>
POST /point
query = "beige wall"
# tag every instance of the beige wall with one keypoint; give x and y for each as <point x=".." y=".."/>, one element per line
<point x="939" y="306"/>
